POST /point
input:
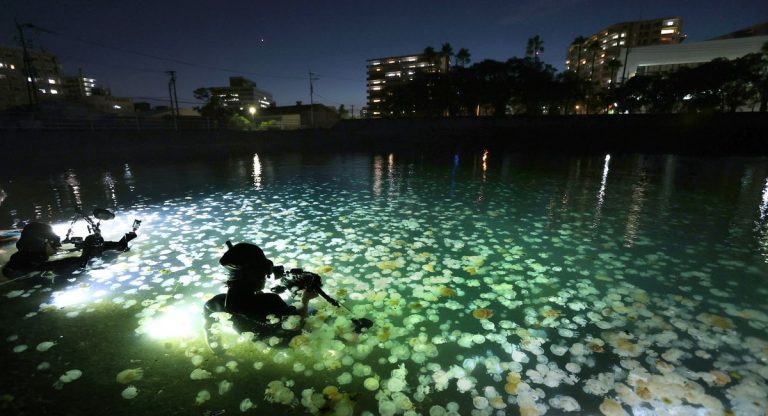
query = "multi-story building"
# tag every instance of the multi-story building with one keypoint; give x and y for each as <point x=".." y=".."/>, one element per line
<point x="21" y="86"/>
<point x="78" y="86"/>
<point x="591" y="57"/>
<point x="383" y="73"/>
<point x="242" y="94"/>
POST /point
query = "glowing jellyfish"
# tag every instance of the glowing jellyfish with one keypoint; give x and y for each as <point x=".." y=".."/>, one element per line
<point x="482" y="313"/>
<point x="480" y="402"/>
<point x="130" y="392"/>
<point x="45" y="346"/>
<point x="129" y="375"/>
<point x="371" y="384"/>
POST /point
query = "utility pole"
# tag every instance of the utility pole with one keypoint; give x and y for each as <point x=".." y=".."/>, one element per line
<point x="312" y="98"/>
<point x="173" y="98"/>
<point x="352" y="110"/>
<point x="28" y="70"/>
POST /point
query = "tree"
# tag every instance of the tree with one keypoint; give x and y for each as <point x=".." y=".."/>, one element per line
<point x="593" y="48"/>
<point x="613" y="65"/>
<point x="534" y="48"/>
<point x="579" y="41"/>
<point x="213" y="107"/>
<point x="446" y="52"/>
<point x="462" y="57"/>
<point x="343" y="112"/>
<point x="430" y="55"/>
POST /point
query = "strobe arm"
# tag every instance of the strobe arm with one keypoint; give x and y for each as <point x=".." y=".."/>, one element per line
<point x="325" y="296"/>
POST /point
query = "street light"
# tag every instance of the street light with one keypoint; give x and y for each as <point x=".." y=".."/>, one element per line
<point x="252" y="111"/>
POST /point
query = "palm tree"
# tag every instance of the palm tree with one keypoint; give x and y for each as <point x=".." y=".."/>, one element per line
<point x="579" y="41"/>
<point x="446" y="52"/>
<point x="462" y="57"/>
<point x="534" y="48"/>
<point x="593" y="48"/>
<point x="430" y="55"/>
<point x="614" y="65"/>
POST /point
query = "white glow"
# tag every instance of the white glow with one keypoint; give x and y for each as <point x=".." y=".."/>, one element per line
<point x="176" y="321"/>
<point x="764" y="204"/>
<point x="256" y="171"/>
<point x="51" y="81"/>
<point x="601" y="192"/>
<point x="70" y="297"/>
<point x="54" y="91"/>
<point x="667" y="31"/>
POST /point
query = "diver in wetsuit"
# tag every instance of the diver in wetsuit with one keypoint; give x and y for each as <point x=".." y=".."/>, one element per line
<point x="38" y="243"/>
<point x="249" y="306"/>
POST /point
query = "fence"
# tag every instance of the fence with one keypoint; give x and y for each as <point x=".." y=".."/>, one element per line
<point x="36" y="121"/>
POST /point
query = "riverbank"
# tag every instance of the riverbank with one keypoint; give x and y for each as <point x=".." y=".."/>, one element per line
<point x="716" y="134"/>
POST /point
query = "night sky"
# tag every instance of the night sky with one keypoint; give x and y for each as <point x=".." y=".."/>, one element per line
<point x="276" y="43"/>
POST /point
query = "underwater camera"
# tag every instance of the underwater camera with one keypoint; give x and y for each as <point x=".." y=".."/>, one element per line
<point x="295" y="280"/>
<point x="93" y="244"/>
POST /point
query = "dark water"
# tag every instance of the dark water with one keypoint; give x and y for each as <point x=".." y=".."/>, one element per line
<point x="498" y="284"/>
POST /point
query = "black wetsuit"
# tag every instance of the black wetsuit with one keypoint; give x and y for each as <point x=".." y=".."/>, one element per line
<point x="250" y="310"/>
<point x="25" y="261"/>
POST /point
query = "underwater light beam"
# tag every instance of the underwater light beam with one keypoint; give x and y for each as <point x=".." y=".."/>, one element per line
<point x="601" y="192"/>
<point x="764" y="203"/>
<point x="256" y="172"/>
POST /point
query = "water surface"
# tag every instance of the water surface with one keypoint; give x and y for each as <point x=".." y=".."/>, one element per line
<point x="498" y="283"/>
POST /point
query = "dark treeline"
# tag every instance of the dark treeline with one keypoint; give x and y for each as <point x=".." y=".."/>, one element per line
<point x="529" y="86"/>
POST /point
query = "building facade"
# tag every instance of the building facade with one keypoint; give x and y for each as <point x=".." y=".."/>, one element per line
<point x="383" y="73"/>
<point x="591" y="57"/>
<point x="652" y="60"/>
<point x="78" y="86"/>
<point x="242" y="93"/>
<point x="20" y="86"/>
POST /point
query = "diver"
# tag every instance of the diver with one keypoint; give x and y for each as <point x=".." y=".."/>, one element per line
<point x="38" y="243"/>
<point x="249" y="306"/>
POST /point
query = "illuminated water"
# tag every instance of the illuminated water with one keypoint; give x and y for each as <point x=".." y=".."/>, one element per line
<point x="499" y="284"/>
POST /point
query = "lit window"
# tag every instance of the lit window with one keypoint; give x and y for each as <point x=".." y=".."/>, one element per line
<point x="621" y="43"/>
<point x="374" y="63"/>
<point x="615" y="36"/>
<point x="116" y="107"/>
<point x="667" y="31"/>
<point x="376" y="81"/>
<point x="376" y="112"/>
<point x="42" y="90"/>
<point x="376" y="88"/>
<point x="377" y="100"/>
<point x="411" y="58"/>
<point x="614" y="44"/>
<point x="391" y="61"/>
<point x="624" y="35"/>
<point x="54" y="91"/>
<point x="51" y="81"/>
<point x="13" y="66"/>
<point x="393" y="74"/>
<point x="669" y="23"/>
<point x="29" y="79"/>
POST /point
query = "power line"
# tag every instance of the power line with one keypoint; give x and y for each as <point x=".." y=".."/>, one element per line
<point x="163" y="58"/>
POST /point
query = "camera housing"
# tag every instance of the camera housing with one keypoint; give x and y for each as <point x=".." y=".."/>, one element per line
<point x="295" y="280"/>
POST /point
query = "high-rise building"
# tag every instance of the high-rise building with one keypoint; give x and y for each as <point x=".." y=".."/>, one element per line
<point x="383" y="73"/>
<point x="591" y="57"/>
<point x="21" y="86"/>
<point x="242" y="94"/>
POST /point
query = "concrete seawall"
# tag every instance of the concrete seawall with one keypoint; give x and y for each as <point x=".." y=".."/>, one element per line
<point x="716" y="134"/>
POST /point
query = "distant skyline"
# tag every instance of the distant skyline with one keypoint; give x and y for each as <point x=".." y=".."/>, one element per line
<point x="276" y="44"/>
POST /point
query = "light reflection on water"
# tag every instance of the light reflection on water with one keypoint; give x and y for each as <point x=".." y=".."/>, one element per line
<point x="620" y="297"/>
